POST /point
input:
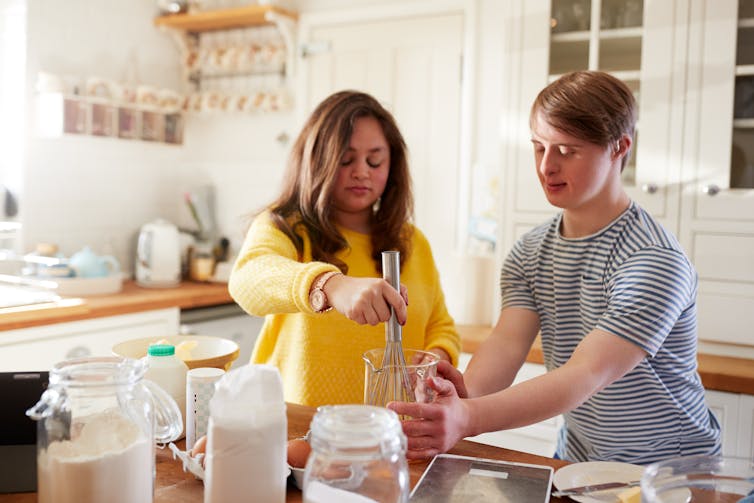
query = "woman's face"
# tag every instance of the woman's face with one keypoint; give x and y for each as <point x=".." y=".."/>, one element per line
<point x="573" y="173"/>
<point x="362" y="175"/>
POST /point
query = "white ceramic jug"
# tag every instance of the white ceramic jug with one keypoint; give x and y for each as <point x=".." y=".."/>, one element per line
<point x="158" y="255"/>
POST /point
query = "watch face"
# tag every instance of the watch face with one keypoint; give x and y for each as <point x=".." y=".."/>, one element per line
<point x="317" y="299"/>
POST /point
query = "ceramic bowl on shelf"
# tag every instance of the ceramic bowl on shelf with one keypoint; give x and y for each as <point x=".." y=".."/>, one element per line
<point x="195" y="350"/>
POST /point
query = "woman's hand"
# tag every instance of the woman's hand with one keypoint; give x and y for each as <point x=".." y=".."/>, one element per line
<point x="434" y="427"/>
<point x="366" y="300"/>
<point x="452" y="374"/>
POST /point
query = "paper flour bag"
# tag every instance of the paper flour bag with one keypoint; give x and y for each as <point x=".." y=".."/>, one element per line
<point x="246" y="438"/>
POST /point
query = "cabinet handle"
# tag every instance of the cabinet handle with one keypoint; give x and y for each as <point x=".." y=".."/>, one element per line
<point x="711" y="189"/>
<point x="649" y="188"/>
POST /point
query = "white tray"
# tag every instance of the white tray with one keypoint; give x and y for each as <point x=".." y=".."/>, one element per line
<point x="71" y="287"/>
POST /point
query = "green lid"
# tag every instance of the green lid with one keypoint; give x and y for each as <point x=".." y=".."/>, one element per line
<point x="161" y="350"/>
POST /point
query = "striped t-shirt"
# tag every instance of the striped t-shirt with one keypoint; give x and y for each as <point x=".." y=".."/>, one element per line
<point x="633" y="280"/>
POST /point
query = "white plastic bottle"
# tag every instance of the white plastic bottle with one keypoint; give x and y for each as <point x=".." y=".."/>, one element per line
<point x="169" y="372"/>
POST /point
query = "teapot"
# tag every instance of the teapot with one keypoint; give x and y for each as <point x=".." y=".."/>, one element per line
<point x="88" y="264"/>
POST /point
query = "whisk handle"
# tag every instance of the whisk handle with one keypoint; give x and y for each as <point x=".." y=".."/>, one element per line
<point x="391" y="272"/>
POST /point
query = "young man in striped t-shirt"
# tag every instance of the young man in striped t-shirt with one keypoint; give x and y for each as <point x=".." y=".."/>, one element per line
<point x="610" y="290"/>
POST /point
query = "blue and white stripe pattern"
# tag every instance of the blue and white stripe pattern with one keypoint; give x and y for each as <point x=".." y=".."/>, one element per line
<point x="633" y="280"/>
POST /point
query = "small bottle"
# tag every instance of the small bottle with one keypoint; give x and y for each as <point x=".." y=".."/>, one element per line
<point x="169" y="372"/>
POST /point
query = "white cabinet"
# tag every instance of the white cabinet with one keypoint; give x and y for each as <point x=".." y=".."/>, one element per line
<point x="736" y="415"/>
<point x="540" y="438"/>
<point x="39" y="348"/>
<point x="689" y="63"/>
<point x="717" y="221"/>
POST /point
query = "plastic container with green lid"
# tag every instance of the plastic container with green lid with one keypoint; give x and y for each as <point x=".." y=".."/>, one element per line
<point x="169" y="372"/>
<point x="161" y="350"/>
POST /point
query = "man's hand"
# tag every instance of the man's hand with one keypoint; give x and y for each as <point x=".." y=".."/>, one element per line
<point x="435" y="427"/>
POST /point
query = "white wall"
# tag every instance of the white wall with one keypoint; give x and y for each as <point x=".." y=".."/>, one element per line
<point x="88" y="190"/>
<point x="98" y="191"/>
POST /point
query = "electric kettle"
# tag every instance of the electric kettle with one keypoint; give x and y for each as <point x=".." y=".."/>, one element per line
<point x="158" y="255"/>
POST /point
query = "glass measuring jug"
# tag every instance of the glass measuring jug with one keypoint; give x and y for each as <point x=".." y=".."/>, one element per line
<point x="97" y="424"/>
<point x="420" y="366"/>
<point x="358" y="449"/>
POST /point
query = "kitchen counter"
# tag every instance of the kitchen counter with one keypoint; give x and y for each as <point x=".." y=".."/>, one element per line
<point x="175" y="486"/>
<point x="720" y="373"/>
<point x="131" y="299"/>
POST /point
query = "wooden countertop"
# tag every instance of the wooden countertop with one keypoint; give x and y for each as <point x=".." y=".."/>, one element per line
<point x="173" y="485"/>
<point x="721" y="373"/>
<point x="131" y="299"/>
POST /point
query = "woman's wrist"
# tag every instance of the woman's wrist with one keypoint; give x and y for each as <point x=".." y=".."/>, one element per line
<point x="318" y="298"/>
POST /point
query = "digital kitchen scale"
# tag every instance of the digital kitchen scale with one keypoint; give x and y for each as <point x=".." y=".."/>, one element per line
<point x="450" y="478"/>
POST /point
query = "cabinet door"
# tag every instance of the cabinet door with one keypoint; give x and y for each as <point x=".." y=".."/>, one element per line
<point x="717" y="223"/>
<point x="725" y="407"/>
<point x="39" y="348"/>
<point x="412" y="65"/>
<point x="636" y="41"/>
<point x="721" y="97"/>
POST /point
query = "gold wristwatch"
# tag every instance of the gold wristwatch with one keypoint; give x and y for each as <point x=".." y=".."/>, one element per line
<point x="317" y="297"/>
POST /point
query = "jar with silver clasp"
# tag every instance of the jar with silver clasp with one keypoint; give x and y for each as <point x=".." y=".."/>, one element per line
<point x="358" y="449"/>
<point x="98" y="421"/>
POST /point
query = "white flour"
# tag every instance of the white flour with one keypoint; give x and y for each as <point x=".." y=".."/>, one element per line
<point x="110" y="461"/>
<point x="245" y="463"/>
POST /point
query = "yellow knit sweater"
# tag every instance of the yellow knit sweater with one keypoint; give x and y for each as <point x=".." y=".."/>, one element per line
<point x="319" y="354"/>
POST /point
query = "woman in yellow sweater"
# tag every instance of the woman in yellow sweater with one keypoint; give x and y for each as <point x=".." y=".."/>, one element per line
<point x="311" y="263"/>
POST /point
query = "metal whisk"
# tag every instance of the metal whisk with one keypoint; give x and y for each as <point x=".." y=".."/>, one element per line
<point x="392" y="382"/>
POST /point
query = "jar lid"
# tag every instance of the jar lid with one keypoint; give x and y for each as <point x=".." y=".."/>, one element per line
<point x="337" y="427"/>
<point x="161" y="350"/>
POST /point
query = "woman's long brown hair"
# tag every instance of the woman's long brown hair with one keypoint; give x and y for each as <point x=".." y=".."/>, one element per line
<point x="311" y="172"/>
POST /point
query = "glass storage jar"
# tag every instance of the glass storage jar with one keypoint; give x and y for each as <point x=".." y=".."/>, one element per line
<point x="699" y="479"/>
<point x="358" y="449"/>
<point x="97" y="424"/>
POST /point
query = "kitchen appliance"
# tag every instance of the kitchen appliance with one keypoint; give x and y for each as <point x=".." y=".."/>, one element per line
<point x="158" y="255"/>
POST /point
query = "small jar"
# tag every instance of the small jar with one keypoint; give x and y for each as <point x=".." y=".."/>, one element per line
<point x="358" y="449"/>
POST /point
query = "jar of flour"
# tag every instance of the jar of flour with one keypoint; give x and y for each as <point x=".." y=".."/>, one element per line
<point x="97" y="425"/>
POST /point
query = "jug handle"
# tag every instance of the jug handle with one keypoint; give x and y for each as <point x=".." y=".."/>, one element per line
<point x="167" y="415"/>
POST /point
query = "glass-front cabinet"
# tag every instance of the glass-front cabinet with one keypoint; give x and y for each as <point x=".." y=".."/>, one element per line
<point x="717" y="211"/>
<point x="634" y="40"/>
<point x="690" y="63"/>
<point x="742" y="152"/>
<point x="601" y="35"/>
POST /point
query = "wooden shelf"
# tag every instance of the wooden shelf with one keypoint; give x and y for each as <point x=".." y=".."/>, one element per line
<point x="224" y="19"/>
